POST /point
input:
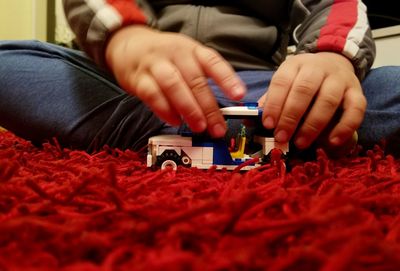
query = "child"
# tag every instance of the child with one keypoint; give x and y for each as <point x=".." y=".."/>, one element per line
<point x="161" y="62"/>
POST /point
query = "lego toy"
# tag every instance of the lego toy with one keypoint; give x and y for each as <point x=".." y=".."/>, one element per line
<point x="248" y="143"/>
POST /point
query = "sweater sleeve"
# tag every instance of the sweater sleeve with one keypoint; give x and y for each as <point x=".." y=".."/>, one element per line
<point x="337" y="26"/>
<point x="93" y="21"/>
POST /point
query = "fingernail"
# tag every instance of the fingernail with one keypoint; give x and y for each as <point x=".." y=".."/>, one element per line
<point x="269" y="122"/>
<point x="335" y="141"/>
<point x="218" y="130"/>
<point x="281" y="136"/>
<point x="200" y="126"/>
<point x="301" y="142"/>
<point x="238" y="91"/>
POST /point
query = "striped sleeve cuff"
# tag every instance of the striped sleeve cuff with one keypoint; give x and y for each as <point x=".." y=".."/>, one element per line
<point x="103" y="18"/>
<point x="345" y="32"/>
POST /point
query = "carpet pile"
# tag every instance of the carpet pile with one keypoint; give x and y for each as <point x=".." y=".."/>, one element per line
<point x="67" y="210"/>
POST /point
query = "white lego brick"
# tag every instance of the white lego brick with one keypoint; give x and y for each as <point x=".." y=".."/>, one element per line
<point x="208" y="154"/>
<point x="195" y="153"/>
<point x="149" y="160"/>
<point x="239" y="111"/>
<point x="171" y="140"/>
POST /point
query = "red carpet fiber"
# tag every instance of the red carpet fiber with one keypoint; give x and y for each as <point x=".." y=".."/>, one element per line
<point x="67" y="210"/>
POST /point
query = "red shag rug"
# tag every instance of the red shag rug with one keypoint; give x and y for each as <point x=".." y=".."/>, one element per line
<point x="67" y="210"/>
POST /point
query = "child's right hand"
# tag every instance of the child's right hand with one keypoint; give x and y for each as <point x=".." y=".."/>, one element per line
<point x="169" y="73"/>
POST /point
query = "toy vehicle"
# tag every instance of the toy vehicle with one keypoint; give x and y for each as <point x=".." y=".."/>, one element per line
<point x="250" y="143"/>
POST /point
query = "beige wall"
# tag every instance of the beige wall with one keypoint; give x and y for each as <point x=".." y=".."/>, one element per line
<point x="387" y="46"/>
<point x="23" y="19"/>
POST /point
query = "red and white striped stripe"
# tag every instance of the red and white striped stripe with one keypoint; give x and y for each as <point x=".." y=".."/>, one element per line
<point x="115" y="13"/>
<point x="345" y="28"/>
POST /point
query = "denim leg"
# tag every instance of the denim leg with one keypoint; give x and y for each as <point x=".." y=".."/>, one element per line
<point x="49" y="91"/>
<point x="382" y="119"/>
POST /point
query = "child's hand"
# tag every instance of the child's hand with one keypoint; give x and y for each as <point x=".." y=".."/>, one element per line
<point x="169" y="73"/>
<point x="311" y="87"/>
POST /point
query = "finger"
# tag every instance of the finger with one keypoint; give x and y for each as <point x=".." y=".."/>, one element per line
<point x="354" y="106"/>
<point x="147" y="90"/>
<point x="277" y="93"/>
<point x="261" y="101"/>
<point x="326" y="104"/>
<point x="221" y="72"/>
<point x="302" y="92"/>
<point x="198" y="83"/>
<point x="178" y="94"/>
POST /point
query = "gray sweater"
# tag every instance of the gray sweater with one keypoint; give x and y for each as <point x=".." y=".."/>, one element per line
<point x="250" y="34"/>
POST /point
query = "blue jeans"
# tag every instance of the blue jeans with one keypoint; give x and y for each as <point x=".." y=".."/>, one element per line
<point x="49" y="91"/>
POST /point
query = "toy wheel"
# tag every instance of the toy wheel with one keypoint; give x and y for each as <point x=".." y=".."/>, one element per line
<point x="169" y="163"/>
<point x="168" y="158"/>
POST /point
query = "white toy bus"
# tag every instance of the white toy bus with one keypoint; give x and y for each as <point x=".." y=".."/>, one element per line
<point x="201" y="151"/>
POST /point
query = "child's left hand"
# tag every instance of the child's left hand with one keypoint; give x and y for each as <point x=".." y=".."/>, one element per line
<point x="306" y="92"/>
